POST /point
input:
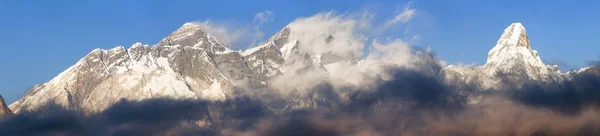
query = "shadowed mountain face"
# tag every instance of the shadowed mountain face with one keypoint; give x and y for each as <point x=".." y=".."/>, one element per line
<point x="306" y="81"/>
<point x="593" y="70"/>
<point x="4" y="110"/>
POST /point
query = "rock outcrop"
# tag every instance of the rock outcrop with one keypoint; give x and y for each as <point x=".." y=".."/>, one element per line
<point x="4" y="110"/>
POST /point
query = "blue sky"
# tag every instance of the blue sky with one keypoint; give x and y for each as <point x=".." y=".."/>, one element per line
<point x="41" y="38"/>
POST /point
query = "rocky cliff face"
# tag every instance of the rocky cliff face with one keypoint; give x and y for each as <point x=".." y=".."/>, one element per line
<point x="4" y="110"/>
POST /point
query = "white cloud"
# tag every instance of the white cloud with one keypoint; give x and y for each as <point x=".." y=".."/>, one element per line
<point x="312" y="32"/>
<point x="375" y="65"/>
<point x="416" y="38"/>
<point x="236" y="34"/>
<point x="225" y="33"/>
<point x="300" y="73"/>
<point x="402" y="16"/>
<point x="265" y="16"/>
<point x="260" y="19"/>
<point x="349" y="39"/>
<point x="350" y="30"/>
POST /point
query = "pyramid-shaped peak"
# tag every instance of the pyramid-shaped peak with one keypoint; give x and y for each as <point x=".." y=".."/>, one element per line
<point x="191" y="25"/>
<point x="513" y="53"/>
<point x="187" y="29"/>
<point x="192" y="34"/>
<point x="513" y="41"/>
<point x="514" y="35"/>
<point x="517" y="24"/>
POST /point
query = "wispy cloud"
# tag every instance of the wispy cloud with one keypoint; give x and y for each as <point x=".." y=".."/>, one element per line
<point x="402" y="16"/>
<point x="260" y="19"/>
<point x="243" y="35"/>
<point x="265" y="16"/>
<point x="238" y="35"/>
<point x="416" y="38"/>
<point x="224" y="32"/>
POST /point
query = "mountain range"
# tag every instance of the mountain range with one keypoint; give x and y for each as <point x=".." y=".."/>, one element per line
<point x="190" y="63"/>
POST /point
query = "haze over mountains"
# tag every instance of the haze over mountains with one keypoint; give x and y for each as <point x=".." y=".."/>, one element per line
<point x="304" y="74"/>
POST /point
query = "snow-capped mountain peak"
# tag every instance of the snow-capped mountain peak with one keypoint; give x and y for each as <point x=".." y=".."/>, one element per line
<point x="515" y="35"/>
<point x="194" y="35"/>
<point x="512" y="59"/>
<point x="513" y="54"/>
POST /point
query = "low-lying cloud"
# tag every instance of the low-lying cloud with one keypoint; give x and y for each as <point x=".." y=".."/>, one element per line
<point x="412" y="102"/>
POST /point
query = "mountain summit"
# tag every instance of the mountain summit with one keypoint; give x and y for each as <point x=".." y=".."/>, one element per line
<point x="512" y="59"/>
<point x="514" y="35"/>
<point x="513" y="54"/>
<point x="193" y="35"/>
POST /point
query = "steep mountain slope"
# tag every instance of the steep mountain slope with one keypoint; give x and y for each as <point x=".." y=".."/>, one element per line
<point x="189" y="63"/>
<point x="4" y="110"/>
<point x="513" y="54"/>
<point x="512" y="59"/>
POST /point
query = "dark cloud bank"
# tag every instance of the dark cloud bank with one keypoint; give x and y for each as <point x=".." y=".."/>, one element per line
<point x="416" y="102"/>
